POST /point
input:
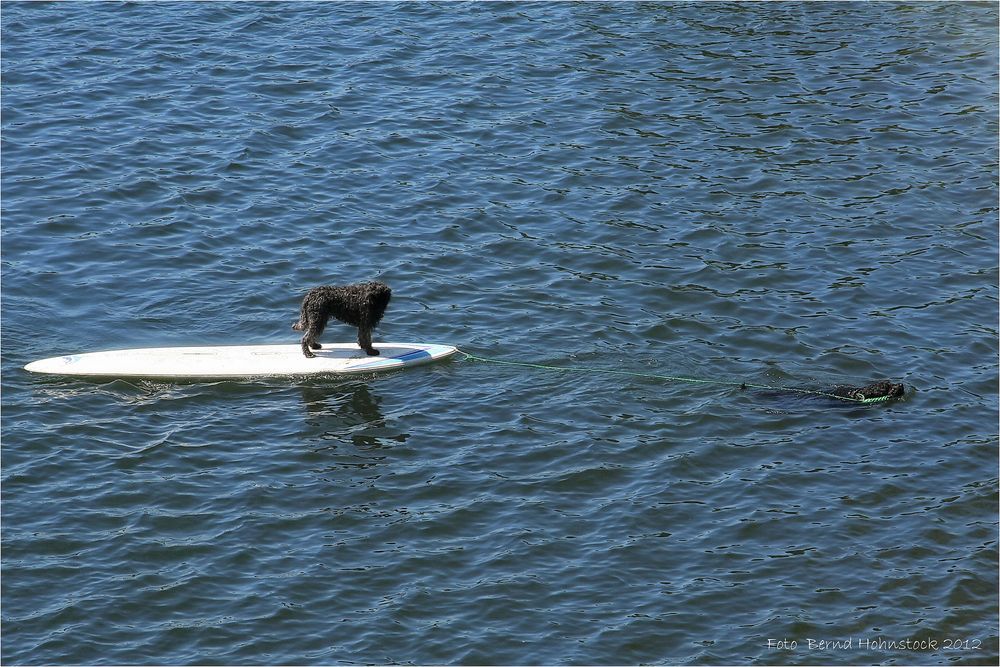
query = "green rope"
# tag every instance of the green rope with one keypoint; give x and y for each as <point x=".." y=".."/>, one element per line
<point x="671" y="378"/>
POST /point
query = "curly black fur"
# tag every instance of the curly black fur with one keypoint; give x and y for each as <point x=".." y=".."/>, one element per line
<point x="874" y="390"/>
<point x="360" y="305"/>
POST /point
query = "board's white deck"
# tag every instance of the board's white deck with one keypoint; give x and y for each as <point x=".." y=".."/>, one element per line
<point x="241" y="361"/>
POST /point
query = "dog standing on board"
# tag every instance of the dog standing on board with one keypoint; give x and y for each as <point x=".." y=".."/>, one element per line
<point x="361" y="305"/>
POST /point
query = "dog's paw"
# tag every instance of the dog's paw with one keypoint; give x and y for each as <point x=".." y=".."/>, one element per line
<point x="316" y="346"/>
<point x="372" y="352"/>
<point x="308" y="355"/>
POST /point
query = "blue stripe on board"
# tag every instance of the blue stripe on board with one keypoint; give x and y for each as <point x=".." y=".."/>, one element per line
<point x="415" y="354"/>
<point x="406" y="357"/>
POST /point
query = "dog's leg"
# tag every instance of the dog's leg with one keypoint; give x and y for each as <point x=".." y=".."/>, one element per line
<point x="308" y="339"/>
<point x="314" y="329"/>
<point x="365" y="340"/>
<point x="313" y="345"/>
<point x="305" y="347"/>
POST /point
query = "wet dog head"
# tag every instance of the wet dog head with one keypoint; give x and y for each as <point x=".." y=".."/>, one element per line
<point x="880" y="389"/>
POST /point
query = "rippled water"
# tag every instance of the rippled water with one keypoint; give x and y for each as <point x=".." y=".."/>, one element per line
<point x="783" y="194"/>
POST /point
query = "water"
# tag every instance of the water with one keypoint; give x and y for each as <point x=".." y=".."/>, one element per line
<point x="777" y="194"/>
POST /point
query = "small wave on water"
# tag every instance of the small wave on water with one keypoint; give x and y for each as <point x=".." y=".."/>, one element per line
<point x="774" y="194"/>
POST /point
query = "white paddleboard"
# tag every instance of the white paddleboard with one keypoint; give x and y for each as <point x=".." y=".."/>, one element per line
<point x="239" y="361"/>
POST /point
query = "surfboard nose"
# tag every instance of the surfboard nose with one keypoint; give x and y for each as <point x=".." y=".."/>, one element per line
<point x="52" y="365"/>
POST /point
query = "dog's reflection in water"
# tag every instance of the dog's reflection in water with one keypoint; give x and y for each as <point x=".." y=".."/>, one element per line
<point x="348" y="412"/>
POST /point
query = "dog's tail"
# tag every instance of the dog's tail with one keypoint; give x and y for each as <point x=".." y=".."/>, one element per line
<point x="297" y="326"/>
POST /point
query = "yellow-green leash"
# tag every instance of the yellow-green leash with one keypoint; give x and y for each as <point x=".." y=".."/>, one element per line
<point x="672" y="378"/>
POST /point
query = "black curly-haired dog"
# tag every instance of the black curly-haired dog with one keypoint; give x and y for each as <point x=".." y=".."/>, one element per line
<point x="880" y="389"/>
<point x="361" y="305"/>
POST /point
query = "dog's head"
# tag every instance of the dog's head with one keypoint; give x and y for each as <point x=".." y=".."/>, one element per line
<point x="378" y="298"/>
<point x="880" y="389"/>
<point x="379" y="289"/>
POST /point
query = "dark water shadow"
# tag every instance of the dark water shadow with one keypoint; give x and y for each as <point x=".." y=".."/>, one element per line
<point x="347" y="412"/>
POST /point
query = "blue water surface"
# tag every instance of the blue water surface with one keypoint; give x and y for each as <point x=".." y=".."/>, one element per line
<point x="782" y="194"/>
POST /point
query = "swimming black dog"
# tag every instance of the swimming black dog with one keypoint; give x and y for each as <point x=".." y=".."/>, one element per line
<point x="361" y="305"/>
<point x="882" y="389"/>
<point x="873" y="392"/>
